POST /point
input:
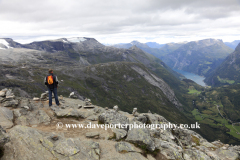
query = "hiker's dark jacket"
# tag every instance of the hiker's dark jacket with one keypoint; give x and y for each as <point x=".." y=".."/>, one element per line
<point x="55" y="82"/>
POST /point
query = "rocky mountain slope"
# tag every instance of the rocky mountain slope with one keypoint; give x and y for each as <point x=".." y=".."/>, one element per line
<point x="31" y="130"/>
<point x="105" y="74"/>
<point x="127" y="77"/>
<point x="228" y="72"/>
<point x="199" y="57"/>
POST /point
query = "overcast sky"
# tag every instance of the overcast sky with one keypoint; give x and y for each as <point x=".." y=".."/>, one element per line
<point x="120" y="21"/>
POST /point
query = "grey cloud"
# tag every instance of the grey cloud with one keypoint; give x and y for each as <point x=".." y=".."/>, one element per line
<point x="100" y="17"/>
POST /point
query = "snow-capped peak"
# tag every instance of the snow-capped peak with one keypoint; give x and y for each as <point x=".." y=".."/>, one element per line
<point x="4" y="43"/>
<point x="76" y="39"/>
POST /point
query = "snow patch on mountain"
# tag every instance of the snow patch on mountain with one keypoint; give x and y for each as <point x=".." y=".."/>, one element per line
<point x="4" y="43"/>
<point x="76" y="39"/>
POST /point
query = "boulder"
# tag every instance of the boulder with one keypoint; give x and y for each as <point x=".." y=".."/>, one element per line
<point x="134" y="111"/>
<point x="141" y="119"/>
<point x="111" y="150"/>
<point x="124" y="147"/>
<point x="24" y="102"/>
<point x="93" y="118"/>
<point x="120" y="133"/>
<point x="141" y="136"/>
<point x="43" y="117"/>
<point x="169" y="150"/>
<point x="36" y="99"/>
<point x="2" y="94"/>
<point x="9" y="92"/>
<point x="12" y="103"/>
<point x="227" y="154"/>
<point x="44" y="96"/>
<point x="98" y="110"/>
<point x="154" y="118"/>
<point x="92" y="134"/>
<point x="189" y="154"/>
<point x="185" y="137"/>
<point x="6" y="118"/>
<point x="72" y="95"/>
<point x="115" y="108"/>
<point x="67" y="147"/>
<point x="9" y="98"/>
<point x="32" y="118"/>
<point x="112" y="117"/>
<point x="71" y="112"/>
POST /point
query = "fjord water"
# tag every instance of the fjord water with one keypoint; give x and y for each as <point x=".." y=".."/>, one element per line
<point x="194" y="77"/>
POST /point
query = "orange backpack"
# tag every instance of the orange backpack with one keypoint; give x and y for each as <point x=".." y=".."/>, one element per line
<point x="50" y="79"/>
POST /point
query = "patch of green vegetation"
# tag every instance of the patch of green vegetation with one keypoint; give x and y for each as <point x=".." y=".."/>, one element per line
<point x="233" y="132"/>
<point x="197" y="115"/>
<point x="225" y="80"/>
<point x="193" y="91"/>
<point x="208" y="62"/>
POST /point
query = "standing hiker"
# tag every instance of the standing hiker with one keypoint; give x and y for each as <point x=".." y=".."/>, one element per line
<point x="52" y="83"/>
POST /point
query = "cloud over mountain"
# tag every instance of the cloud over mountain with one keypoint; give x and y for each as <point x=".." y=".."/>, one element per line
<point x="120" y="20"/>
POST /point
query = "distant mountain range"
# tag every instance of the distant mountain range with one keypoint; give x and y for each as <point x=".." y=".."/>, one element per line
<point x="233" y="44"/>
<point x="148" y="47"/>
<point x="154" y="45"/>
<point x="228" y="72"/>
<point x="199" y="57"/>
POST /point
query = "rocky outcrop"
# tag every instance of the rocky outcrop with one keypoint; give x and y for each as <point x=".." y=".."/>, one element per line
<point x="141" y="136"/>
<point x="8" y="98"/>
<point x="113" y="117"/>
<point x="157" y="82"/>
<point x="6" y="118"/>
<point x="35" y="131"/>
<point x="28" y="143"/>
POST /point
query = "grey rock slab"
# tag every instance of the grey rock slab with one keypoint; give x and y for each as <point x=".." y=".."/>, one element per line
<point x="227" y="154"/>
<point x="25" y="144"/>
<point x="89" y="107"/>
<point x="33" y="118"/>
<point x="141" y="136"/>
<point x="169" y="150"/>
<point x="92" y="134"/>
<point x="12" y="103"/>
<point x="2" y="94"/>
<point x="6" y="118"/>
<point x="9" y="92"/>
<point x="124" y="147"/>
<point x="67" y="147"/>
<point x="93" y="118"/>
<point x="43" y="117"/>
<point x="71" y="112"/>
<point x="120" y="133"/>
<point x="112" y="117"/>
<point x="189" y="154"/>
<point x="28" y="143"/>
